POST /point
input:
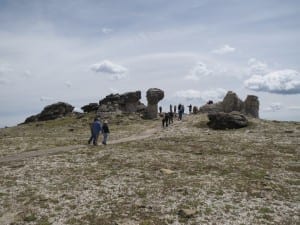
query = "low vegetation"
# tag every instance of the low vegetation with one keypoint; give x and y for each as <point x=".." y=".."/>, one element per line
<point x="149" y="175"/>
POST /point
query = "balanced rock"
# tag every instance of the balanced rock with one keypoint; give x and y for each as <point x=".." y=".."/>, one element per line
<point x="211" y="108"/>
<point x="154" y="95"/>
<point x="222" y="121"/>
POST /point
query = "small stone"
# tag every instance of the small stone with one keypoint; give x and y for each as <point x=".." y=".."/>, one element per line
<point x="167" y="171"/>
<point x="187" y="213"/>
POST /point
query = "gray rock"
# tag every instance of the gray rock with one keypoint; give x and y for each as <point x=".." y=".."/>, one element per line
<point x="154" y="95"/>
<point x="231" y="102"/>
<point x="187" y="213"/>
<point x="51" y="112"/>
<point x="127" y="102"/>
<point x="251" y="106"/>
<point x="91" y="107"/>
<point x="222" y="121"/>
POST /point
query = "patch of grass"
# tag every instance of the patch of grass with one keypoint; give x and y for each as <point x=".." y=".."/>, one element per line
<point x="30" y="218"/>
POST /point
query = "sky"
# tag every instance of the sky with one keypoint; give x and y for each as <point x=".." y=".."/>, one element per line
<point x="79" y="51"/>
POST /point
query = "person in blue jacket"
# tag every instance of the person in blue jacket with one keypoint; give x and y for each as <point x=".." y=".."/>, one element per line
<point x="95" y="130"/>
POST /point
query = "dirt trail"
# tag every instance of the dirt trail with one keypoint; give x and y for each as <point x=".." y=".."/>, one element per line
<point x="52" y="151"/>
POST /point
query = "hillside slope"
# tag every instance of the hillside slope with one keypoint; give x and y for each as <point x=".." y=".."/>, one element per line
<point x="183" y="174"/>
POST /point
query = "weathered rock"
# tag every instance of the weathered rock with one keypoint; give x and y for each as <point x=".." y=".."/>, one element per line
<point x="211" y="108"/>
<point x="195" y="109"/>
<point x="222" y="121"/>
<point x="55" y="111"/>
<point x="51" y="112"/>
<point x="167" y="171"/>
<point x="90" y="107"/>
<point x="187" y="213"/>
<point x="231" y="102"/>
<point x="127" y="102"/>
<point x="251" y="106"/>
<point x="154" y="95"/>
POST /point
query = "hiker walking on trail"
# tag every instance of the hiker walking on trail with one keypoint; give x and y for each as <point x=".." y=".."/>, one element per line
<point x="105" y="132"/>
<point x="95" y="130"/>
<point x="190" y="108"/>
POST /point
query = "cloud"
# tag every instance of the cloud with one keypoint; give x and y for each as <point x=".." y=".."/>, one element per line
<point x="198" y="71"/>
<point x="223" y="50"/>
<point x="108" y="67"/>
<point x="190" y="94"/>
<point x="106" y="30"/>
<point x="279" y="82"/>
<point x="27" y="74"/>
<point x="276" y="106"/>
<point x="257" y="67"/>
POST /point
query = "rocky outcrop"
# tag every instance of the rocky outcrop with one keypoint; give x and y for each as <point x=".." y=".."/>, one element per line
<point x="128" y="102"/>
<point x="154" y="95"/>
<point x="251" y="106"/>
<point x="51" y="112"/>
<point x="92" y="107"/>
<point x="211" y="108"/>
<point x="232" y="102"/>
<point x="222" y="121"/>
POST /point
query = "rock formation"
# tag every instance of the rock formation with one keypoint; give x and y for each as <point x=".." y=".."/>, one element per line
<point x="154" y="95"/>
<point x="251" y="106"/>
<point x="51" y="112"/>
<point x="222" y="121"/>
<point x="128" y="102"/>
<point x="231" y="102"/>
<point x="90" y="107"/>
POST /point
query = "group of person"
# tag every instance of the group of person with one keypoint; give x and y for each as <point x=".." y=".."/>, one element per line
<point x="96" y="129"/>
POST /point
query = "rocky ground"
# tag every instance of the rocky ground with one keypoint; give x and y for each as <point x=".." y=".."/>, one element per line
<point x="183" y="174"/>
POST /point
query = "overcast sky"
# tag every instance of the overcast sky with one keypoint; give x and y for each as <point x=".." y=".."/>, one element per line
<point x="79" y="51"/>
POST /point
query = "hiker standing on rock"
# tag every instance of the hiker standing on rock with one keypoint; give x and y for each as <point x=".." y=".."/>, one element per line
<point x="95" y="130"/>
<point x="105" y="132"/>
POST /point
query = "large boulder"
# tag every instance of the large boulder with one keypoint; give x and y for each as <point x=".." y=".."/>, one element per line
<point x="231" y="102"/>
<point x="154" y="95"/>
<point x="127" y="102"/>
<point x="222" y="121"/>
<point x="55" y="111"/>
<point x="211" y="108"/>
<point x="90" y="107"/>
<point x="251" y="106"/>
<point x="51" y="112"/>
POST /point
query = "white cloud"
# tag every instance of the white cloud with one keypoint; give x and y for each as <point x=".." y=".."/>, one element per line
<point x="27" y="74"/>
<point x="198" y="71"/>
<point x="188" y="94"/>
<point x="275" y="106"/>
<point x="257" y="67"/>
<point x="117" y="76"/>
<point x="223" y="50"/>
<point x="106" y="30"/>
<point x="108" y="67"/>
<point x="215" y="95"/>
<point x="279" y="82"/>
<point x="114" y="91"/>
